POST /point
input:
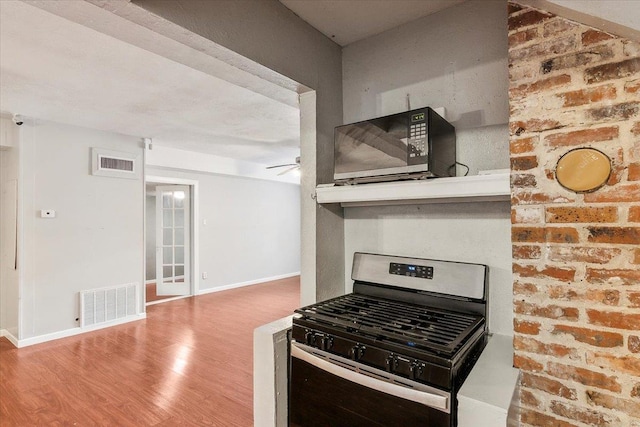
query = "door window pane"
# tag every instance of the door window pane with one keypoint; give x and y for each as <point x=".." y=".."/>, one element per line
<point x="167" y="200"/>
<point x="179" y="217"/>
<point x="179" y="232"/>
<point x="179" y="270"/>
<point x="167" y="272"/>
<point x="167" y="255"/>
<point x="179" y="255"/>
<point x="167" y="218"/>
<point x="167" y="236"/>
<point x="178" y="199"/>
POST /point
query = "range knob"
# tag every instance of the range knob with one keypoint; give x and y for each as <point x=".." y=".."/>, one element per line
<point x="416" y="370"/>
<point x="309" y="337"/>
<point x="392" y="363"/>
<point x="356" y="352"/>
<point x="326" y="342"/>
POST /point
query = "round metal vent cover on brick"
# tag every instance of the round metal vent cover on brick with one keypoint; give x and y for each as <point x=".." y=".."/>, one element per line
<point x="583" y="170"/>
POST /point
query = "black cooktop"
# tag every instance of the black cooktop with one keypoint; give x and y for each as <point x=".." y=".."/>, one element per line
<point x="405" y="324"/>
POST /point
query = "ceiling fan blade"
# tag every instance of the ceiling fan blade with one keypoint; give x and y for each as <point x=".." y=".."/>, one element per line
<point x="289" y="170"/>
<point x="281" y="166"/>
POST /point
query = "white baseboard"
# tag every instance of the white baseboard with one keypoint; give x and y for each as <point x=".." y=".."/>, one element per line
<point x="74" y="331"/>
<point x="248" y="283"/>
<point x="8" y="335"/>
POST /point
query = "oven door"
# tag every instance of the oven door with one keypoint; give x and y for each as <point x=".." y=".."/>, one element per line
<point x="328" y="390"/>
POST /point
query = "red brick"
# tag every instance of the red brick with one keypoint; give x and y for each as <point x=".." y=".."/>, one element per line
<point x="634" y="213"/>
<point x="634" y="344"/>
<point x="636" y="256"/>
<point x="527" y="234"/>
<point x="522" y="37"/>
<point x="615" y="112"/>
<point x="534" y="346"/>
<point x="634" y="172"/>
<point x="614" y="319"/>
<point x="574" y="214"/>
<point x="523" y="180"/>
<point x="619" y="235"/>
<point x="580" y="137"/>
<point x="525" y="252"/>
<point x="636" y="128"/>
<point x="612" y="71"/>
<point x="549" y="311"/>
<point x="565" y="274"/>
<point x="583" y="376"/>
<point x="618" y="194"/>
<point x="562" y="235"/>
<point x="557" y="26"/>
<point x="618" y="167"/>
<point x="513" y="8"/>
<point x="587" y="95"/>
<point x="529" y="399"/>
<point x="526" y="327"/>
<point x="583" y="415"/>
<point x="527" y="215"/>
<point x="547" y="385"/>
<point x="556" y="46"/>
<point x="528" y="197"/>
<point x="523" y="145"/>
<point x="594" y="36"/>
<point x="632" y="87"/>
<point x="627" y="364"/>
<point x="524" y="163"/>
<point x="635" y="391"/>
<point x="530" y="17"/>
<point x="634" y="299"/>
<point x="574" y="59"/>
<point x="520" y="288"/>
<point x="526" y="364"/>
<point x="603" y="296"/>
<point x="563" y="293"/>
<point x="535" y="418"/>
<point x="519" y="127"/>
<point x="539" y="86"/>
<point x="587" y="254"/>
<point x="627" y="277"/>
<point x="590" y="336"/>
<point x="611" y="402"/>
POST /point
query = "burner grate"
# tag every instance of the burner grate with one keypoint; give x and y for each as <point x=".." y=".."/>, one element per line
<point x="404" y="323"/>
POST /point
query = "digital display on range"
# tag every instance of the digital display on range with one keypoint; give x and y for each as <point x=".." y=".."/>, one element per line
<point x="411" y="270"/>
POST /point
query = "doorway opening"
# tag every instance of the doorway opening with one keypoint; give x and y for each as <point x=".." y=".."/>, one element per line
<point x="170" y="239"/>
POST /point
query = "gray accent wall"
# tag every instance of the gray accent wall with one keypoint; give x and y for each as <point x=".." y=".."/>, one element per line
<point x="456" y="59"/>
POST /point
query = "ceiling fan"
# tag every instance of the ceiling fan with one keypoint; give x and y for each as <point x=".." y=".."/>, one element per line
<point x="290" y="166"/>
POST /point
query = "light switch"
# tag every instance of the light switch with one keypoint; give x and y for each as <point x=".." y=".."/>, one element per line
<point x="47" y="213"/>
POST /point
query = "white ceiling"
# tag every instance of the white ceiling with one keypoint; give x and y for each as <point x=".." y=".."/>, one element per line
<point x="347" y="21"/>
<point x="54" y="69"/>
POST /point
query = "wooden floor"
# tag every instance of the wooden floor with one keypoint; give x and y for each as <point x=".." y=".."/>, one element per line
<point x="188" y="364"/>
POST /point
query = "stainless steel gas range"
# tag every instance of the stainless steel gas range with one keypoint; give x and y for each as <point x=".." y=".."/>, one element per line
<point x="395" y="351"/>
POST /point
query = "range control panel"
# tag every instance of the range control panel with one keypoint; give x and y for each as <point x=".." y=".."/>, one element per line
<point x="411" y="270"/>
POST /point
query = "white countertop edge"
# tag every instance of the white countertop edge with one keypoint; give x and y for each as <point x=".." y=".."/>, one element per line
<point x="492" y="381"/>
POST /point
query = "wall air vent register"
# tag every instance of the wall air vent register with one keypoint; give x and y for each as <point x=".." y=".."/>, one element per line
<point x="114" y="163"/>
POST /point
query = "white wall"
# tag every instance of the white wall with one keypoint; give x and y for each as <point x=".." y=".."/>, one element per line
<point x="96" y="239"/>
<point x="249" y="228"/>
<point x="9" y="277"/>
<point x="455" y="59"/>
<point x="150" y="237"/>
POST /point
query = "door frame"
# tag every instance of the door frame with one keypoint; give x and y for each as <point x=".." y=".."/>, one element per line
<point x="194" y="235"/>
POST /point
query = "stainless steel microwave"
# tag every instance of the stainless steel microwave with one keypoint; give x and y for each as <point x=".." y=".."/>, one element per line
<point x="414" y="144"/>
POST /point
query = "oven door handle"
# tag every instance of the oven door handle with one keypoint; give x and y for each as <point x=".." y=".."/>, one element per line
<point x="430" y="399"/>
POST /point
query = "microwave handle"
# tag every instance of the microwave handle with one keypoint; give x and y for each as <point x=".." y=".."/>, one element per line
<point x="419" y="396"/>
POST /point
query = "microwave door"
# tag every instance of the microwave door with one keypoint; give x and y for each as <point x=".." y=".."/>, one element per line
<point x="367" y="147"/>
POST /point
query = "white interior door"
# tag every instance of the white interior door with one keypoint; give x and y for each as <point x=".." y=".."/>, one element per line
<point x="173" y="229"/>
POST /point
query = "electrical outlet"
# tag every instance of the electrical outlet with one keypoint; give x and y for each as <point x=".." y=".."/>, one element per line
<point x="204" y="274"/>
<point x="47" y="213"/>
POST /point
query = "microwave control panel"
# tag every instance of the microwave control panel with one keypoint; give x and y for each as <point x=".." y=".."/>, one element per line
<point x="418" y="145"/>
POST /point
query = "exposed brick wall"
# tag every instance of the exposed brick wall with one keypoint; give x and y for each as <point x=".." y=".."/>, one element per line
<point x="576" y="256"/>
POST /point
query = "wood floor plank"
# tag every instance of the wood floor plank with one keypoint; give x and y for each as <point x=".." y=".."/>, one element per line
<point x="190" y="363"/>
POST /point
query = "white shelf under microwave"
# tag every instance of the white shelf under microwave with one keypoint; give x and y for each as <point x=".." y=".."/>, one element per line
<point x="478" y="188"/>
